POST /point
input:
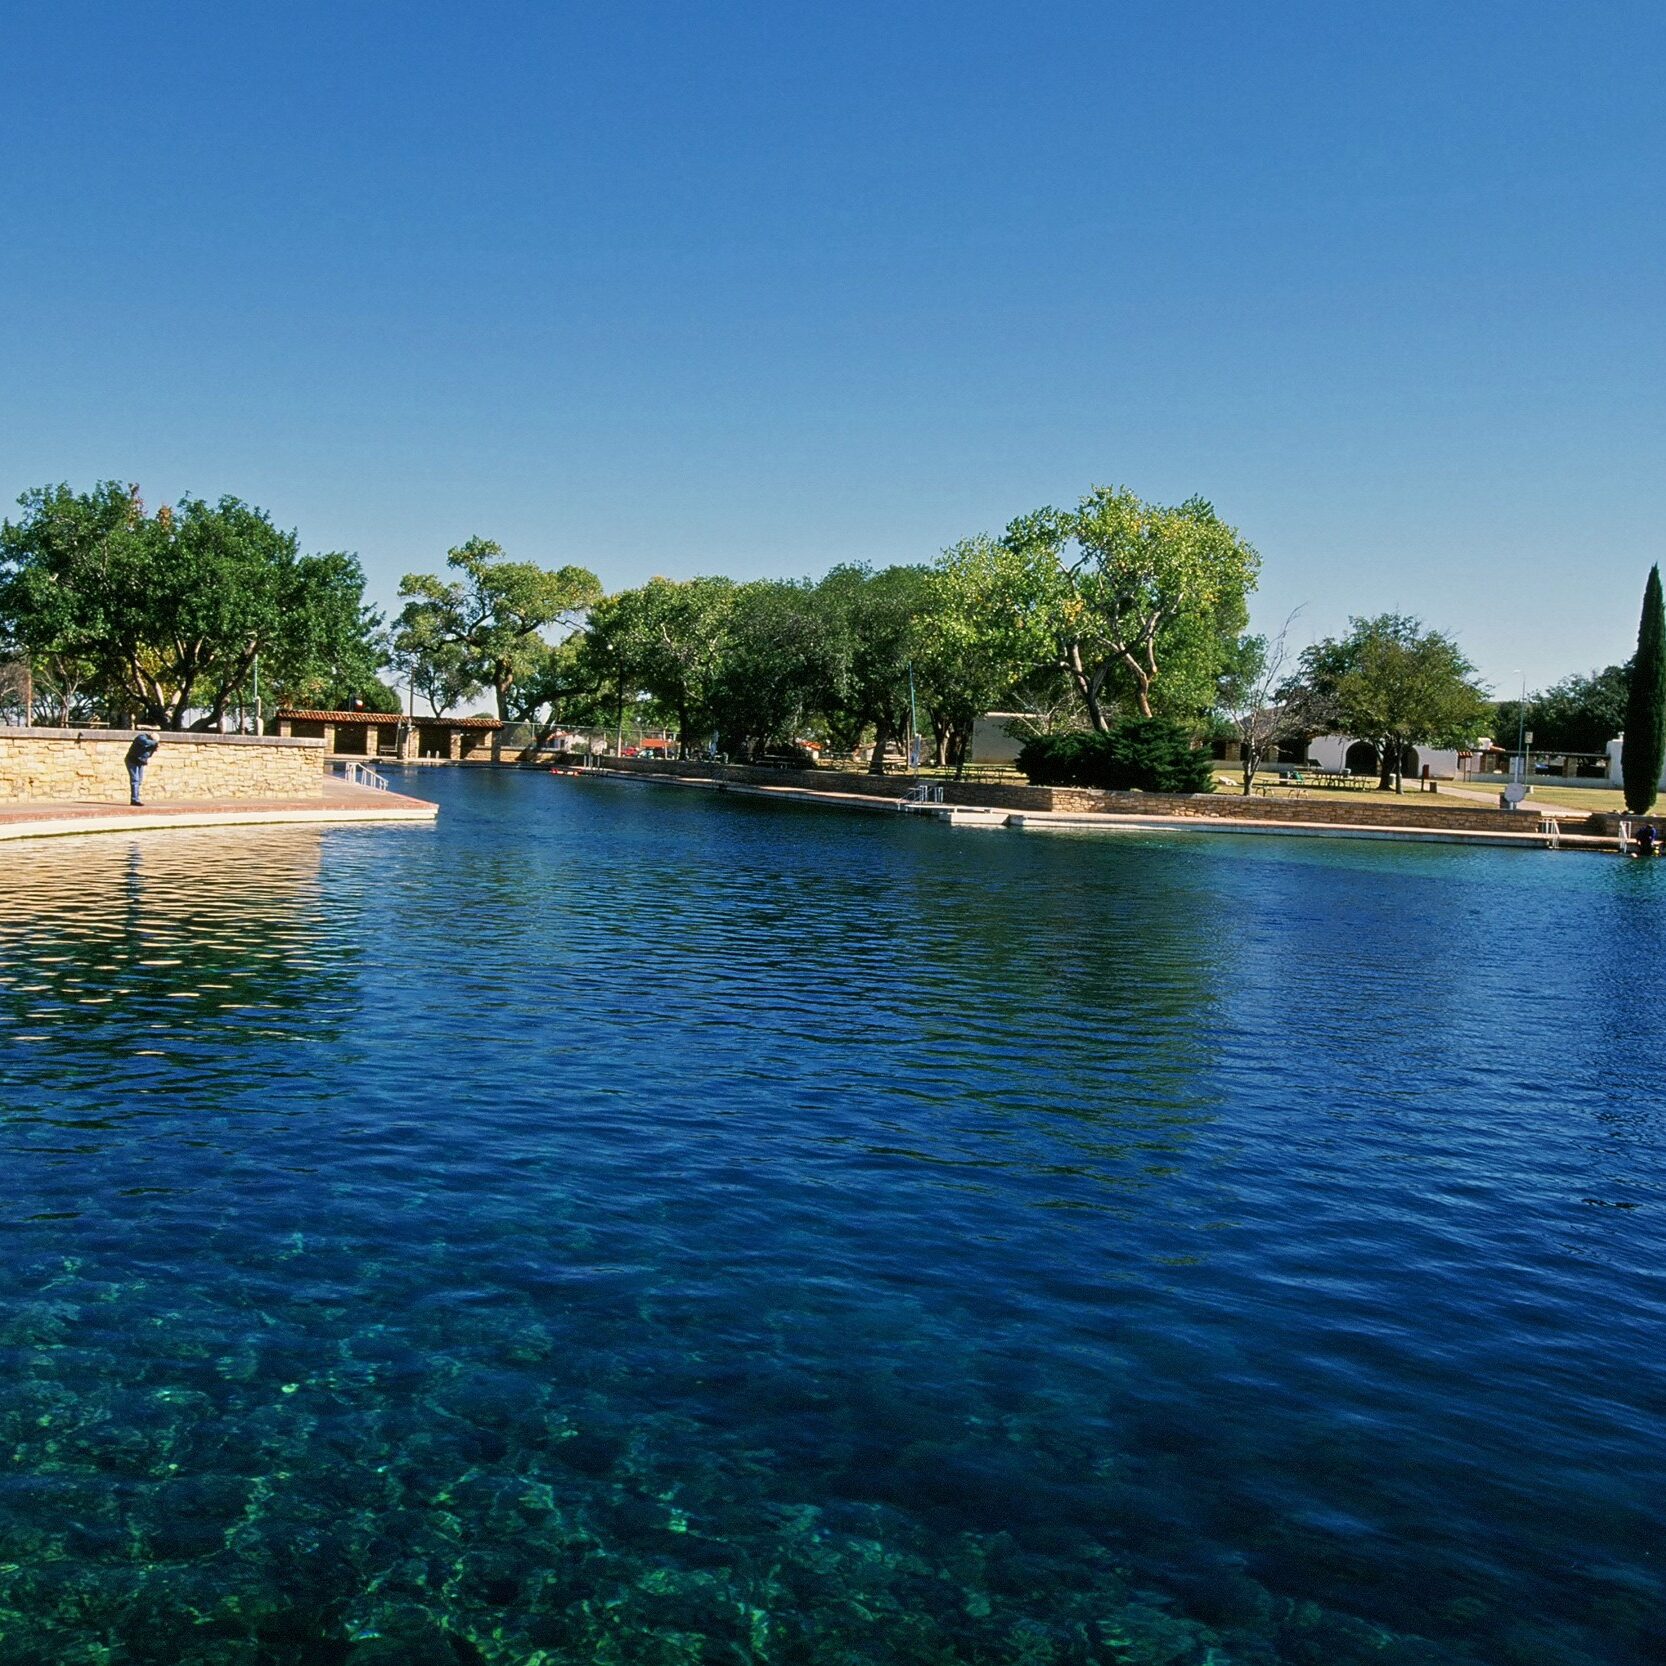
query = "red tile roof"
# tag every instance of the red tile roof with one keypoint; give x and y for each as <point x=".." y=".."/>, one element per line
<point x="292" y="715"/>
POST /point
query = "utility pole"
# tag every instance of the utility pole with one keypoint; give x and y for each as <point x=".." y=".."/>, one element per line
<point x="913" y="723"/>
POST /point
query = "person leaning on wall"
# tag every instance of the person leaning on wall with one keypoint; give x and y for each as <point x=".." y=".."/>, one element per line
<point x="139" y="754"/>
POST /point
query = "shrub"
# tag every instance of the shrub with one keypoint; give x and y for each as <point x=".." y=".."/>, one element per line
<point x="1643" y="745"/>
<point x="1150" y="753"/>
<point x="1075" y="758"/>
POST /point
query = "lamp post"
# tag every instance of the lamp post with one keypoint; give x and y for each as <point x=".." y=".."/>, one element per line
<point x="913" y="723"/>
<point x="1522" y="737"/>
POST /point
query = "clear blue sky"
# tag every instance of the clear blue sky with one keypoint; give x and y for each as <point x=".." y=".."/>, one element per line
<point x="754" y="288"/>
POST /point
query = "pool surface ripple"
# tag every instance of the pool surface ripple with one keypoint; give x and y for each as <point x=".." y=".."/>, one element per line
<point x="625" y="1226"/>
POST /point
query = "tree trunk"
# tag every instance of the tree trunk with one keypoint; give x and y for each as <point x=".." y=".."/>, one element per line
<point x="1086" y="686"/>
<point x="1385" y="766"/>
<point x="881" y="736"/>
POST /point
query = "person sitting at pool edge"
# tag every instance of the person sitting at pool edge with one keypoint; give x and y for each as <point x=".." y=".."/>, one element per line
<point x="139" y="754"/>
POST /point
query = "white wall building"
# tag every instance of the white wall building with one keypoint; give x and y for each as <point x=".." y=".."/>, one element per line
<point x="1614" y="762"/>
<point x="1360" y="756"/>
<point x="993" y="741"/>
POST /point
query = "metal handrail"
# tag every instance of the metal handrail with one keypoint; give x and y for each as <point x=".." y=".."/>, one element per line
<point x="922" y="792"/>
<point x="360" y="775"/>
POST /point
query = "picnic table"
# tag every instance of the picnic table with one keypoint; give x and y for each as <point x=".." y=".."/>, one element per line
<point x="1298" y="780"/>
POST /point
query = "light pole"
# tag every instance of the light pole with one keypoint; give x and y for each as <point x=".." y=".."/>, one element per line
<point x="1519" y="767"/>
<point x="913" y="723"/>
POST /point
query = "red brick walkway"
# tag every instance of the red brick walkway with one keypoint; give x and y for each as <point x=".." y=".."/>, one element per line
<point x="338" y="799"/>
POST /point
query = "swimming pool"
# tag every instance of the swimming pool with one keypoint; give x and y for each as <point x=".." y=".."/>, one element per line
<point x="639" y="1226"/>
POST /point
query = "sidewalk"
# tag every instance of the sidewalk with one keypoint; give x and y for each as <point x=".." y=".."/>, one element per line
<point x="340" y="802"/>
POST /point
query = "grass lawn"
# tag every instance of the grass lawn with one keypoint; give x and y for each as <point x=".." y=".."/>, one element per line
<point x="1270" y="786"/>
<point x="1548" y="795"/>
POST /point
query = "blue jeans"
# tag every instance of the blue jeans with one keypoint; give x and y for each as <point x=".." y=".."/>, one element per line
<point x="135" y="774"/>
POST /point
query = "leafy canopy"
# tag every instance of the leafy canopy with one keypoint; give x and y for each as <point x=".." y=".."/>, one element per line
<point x="1578" y="714"/>
<point x="166" y="614"/>
<point x="1136" y="604"/>
<point x="1393" y="683"/>
<point x="488" y="627"/>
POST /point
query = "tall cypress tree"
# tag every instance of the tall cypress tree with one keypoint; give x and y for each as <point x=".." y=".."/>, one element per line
<point x="1643" y="751"/>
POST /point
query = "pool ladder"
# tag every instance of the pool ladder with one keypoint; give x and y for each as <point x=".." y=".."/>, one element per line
<point x="921" y="795"/>
<point x="360" y="775"/>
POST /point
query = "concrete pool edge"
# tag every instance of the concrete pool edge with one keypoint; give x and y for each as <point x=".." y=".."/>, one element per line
<point x="994" y="816"/>
<point x="341" y="804"/>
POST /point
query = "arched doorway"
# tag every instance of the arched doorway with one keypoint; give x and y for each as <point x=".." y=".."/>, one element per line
<point x="1361" y="759"/>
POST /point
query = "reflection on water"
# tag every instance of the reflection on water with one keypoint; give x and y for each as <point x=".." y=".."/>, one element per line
<point x="616" y="1226"/>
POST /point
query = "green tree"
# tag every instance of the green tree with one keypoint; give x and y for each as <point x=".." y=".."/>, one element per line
<point x="201" y="591"/>
<point x="441" y="671"/>
<point x="780" y="659"/>
<point x="167" y="614"/>
<point x="1003" y="609"/>
<point x="1579" y="714"/>
<point x="329" y="646"/>
<point x="498" y="613"/>
<point x="680" y="633"/>
<point x="874" y="622"/>
<point x="1129" y="600"/>
<point x="1643" y="750"/>
<point x="965" y="661"/>
<point x="54" y="584"/>
<point x="611" y="655"/>
<point x="1394" y="684"/>
<point x="567" y="687"/>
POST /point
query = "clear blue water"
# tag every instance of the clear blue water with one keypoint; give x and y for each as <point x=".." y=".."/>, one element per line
<point x="636" y="1226"/>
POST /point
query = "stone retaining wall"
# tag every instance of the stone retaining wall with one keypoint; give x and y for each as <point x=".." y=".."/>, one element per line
<point x="1346" y="809"/>
<point x="39" y="765"/>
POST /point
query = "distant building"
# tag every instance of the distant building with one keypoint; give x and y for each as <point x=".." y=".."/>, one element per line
<point x="1360" y="758"/>
<point x="1614" y="775"/>
<point x="372" y="735"/>
<point x="993" y="740"/>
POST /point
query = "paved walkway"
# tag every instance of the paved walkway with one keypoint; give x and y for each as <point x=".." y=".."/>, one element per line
<point x="340" y="801"/>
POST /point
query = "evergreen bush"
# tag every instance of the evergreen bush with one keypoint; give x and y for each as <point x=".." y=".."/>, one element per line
<point x="1152" y="754"/>
<point x="1643" y="748"/>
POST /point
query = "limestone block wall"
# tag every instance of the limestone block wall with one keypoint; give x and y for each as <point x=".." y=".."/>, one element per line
<point x="87" y="764"/>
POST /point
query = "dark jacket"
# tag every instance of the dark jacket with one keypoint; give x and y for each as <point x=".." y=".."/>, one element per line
<point x="142" y="750"/>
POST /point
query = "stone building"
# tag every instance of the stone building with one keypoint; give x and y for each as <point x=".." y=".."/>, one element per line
<point x="393" y="735"/>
